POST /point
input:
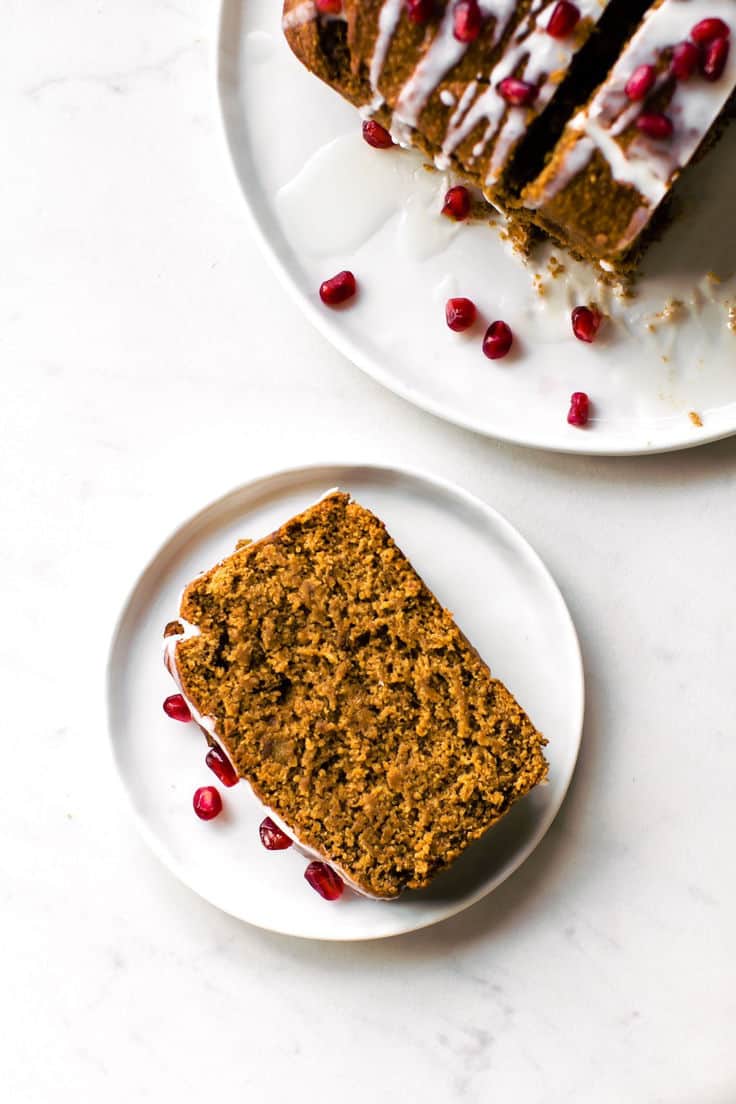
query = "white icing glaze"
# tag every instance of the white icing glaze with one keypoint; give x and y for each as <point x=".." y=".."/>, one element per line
<point x="531" y="54"/>
<point x="443" y="54"/>
<point x="460" y="111"/>
<point x="649" y="165"/>
<point x="388" y="20"/>
<point x="306" y="12"/>
<point x="301" y="14"/>
<point x="535" y="57"/>
<point x="209" y="725"/>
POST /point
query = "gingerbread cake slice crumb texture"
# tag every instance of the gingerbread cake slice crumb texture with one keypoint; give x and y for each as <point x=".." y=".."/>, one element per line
<point x="349" y="699"/>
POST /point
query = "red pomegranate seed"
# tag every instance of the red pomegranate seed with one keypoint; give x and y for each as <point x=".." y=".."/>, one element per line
<point x="714" y="58"/>
<point x="328" y="7"/>
<point x="563" y="20"/>
<point x="376" y="135"/>
<point x="207" y="802"/>
<point x="176" y="708"/>
<point x="272" y="838"/>
<point x="579" y="411"/>
<point x="654" y="124"/>
<point x="218" y="762"/>
<point x="708" y="29"/>
<point x="685" y="58"/>
<point x="457" y="203"/>
<point x="517" y="92"/>
<point x="460" y="314"/>
<point x="337" y="289"/>
<point x="640" y="82"/>
<point x="324" y="879"/>
<point x="585" y="323"/>
<point x="497" y="341"/>
<point x="467" y="20"/>
<point x="419" y="11"/>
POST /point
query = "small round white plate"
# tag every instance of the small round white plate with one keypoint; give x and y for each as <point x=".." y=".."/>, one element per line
<point x="322" y="200"/>
<point x="503" y="598"/>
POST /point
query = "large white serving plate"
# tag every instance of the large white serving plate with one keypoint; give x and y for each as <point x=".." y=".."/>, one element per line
<point x="503" y="598"/>
<point x="322" y="200"/>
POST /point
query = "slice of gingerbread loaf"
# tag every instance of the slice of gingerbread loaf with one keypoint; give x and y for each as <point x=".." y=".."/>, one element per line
<point x="349" y="699"/>
<point x="620" y="155"/>
<point x="461" y="81"/>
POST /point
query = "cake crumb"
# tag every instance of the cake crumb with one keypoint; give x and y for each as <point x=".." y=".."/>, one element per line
<point x="732" y="317"/>
<point x="673" y="311"/>
<point x="555" y="267"/>
<point x="351" y="701"/>
<point x="243" y="543"/>
<point x="695" y="418"/>
<point x="713" y="277"/>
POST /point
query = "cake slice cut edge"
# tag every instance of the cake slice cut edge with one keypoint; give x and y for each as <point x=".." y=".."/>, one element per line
<point x="350" y="701"/>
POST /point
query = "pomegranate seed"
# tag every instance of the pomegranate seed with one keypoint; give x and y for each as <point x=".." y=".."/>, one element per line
<point x="176" y="708"/>
<point x="708" y="29"/>
<point x="457" y="203"/>
<point x="497" y="341"/>
<point x="337" y="289"/>
<point x="585" y="323"/>
<point x="324" y="879"/>
<point x="272" y="838"/>
<point x="640" y="82"/>
<point x="460" y="314"/>
<point x="714" y="58"/>
<point x="207" y="802"/>
<point x="579" y="411"/>
<point x="564" y="19"/>
<point x="517" y="92"/>
<point x="328" y="7"/>
<point x="654" y="124"/>
<point x="419" y="11"/>
<point x="218" y="762"/>
<point x="685" y="58"/>
<point x="467" y="20"/>
<point x="376" y="135"/>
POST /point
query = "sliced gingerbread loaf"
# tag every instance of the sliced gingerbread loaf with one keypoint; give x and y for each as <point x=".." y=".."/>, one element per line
<point x="462" y="87"/>
<point x="575" y="119"/>
<point x="349" y="699"/>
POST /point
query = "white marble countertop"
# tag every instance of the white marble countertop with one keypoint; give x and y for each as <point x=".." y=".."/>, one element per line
<point x="150" y="360"/>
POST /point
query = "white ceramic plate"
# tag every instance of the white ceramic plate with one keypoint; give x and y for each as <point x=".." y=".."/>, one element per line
<point x="502" y="596"/>
<point x="322" y="200"/>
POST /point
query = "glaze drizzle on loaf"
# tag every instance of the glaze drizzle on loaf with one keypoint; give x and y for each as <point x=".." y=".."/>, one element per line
<point x="505" y="108"/>
<point x="480" y="129"/>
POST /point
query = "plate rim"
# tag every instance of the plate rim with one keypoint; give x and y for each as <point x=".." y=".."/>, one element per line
<point x="301" y="472"/>
<point x="582" y="445"/>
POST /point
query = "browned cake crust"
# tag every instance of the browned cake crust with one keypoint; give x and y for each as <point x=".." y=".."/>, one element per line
<point x="350" y="700"/>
